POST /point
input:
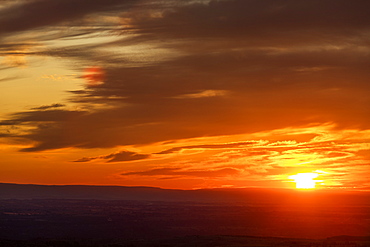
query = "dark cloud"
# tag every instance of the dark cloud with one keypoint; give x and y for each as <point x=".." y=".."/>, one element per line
<point x="86" y="159"/>
<point x="144" y="108"/>
<point x="26" y="15"/>
<point x="52" y="128"/>
<point x="5" y="135"/>
<point x="266" y="21"/>
<point x="175" y="171"/>
<point x="47" y="107"/>
<point x="281" y="64"/>
<point x="10" y="47"/>
<point x="126" y="156"/>
<point x="39" y="115"/>
<point x="117" y="157"/>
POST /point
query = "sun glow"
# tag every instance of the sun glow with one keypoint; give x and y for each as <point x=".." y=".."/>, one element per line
<point x="305" y="180"/>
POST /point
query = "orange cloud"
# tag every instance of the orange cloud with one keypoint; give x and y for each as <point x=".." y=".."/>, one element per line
<point x="94" y="76"/>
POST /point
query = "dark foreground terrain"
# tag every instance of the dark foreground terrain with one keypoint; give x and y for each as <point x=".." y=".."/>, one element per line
<point x="57" y="222"/>
<point x="34" y="217"/>
<point x="196" y="241"/>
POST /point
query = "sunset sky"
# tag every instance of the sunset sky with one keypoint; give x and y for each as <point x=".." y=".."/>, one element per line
<point x="185" y="94"/>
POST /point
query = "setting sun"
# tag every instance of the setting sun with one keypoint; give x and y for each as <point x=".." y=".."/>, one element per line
<point x="184" y="123"/>
<point x="305" y="180"/>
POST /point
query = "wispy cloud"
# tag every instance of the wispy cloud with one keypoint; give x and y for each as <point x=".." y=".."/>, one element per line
<point x="203" y="94"/>
<point x="47" y="107"/>
<point x="338" y="162"/>
<point x="27" y="15"/>
<point x="121" y="156"/>
<point x="213" y="146"/>
<point x="183" y="172"/>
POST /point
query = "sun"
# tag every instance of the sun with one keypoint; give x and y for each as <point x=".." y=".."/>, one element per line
<point x="305" y="180"/>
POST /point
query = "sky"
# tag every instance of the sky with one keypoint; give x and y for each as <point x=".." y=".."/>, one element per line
<point x="185" y="94"/>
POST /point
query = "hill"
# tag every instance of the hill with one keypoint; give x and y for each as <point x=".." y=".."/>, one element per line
<point x="244" y="195"/>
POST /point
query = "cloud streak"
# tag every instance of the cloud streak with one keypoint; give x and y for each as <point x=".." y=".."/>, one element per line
<point x="27" y="15"/>
<point x="121" y="156"/>
<point x="176" y="171"/>
<point x="262" y="23"/>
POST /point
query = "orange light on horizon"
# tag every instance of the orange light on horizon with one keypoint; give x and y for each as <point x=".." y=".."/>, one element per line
<point x="305" y="180"/>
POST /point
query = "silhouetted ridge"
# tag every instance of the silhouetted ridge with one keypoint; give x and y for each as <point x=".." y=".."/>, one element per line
<point x="245" y="195"/>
